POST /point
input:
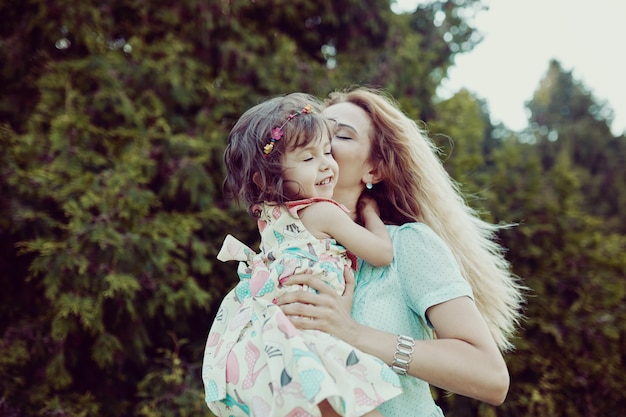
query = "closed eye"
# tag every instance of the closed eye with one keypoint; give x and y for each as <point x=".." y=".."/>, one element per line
<point x="343" y="137"/>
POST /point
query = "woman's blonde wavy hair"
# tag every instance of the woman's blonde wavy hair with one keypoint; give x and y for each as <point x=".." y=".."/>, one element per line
<point x="415" y="187"/>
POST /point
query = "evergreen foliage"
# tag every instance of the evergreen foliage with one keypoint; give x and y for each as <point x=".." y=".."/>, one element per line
<point x="567" y="118"/>
<point x="113" y="120"/>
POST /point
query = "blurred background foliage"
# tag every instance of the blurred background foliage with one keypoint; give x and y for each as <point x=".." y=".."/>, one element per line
<point x="113" y="118"/>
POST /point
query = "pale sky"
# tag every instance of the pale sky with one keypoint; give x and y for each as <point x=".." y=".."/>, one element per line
<point x="588" y="37"/>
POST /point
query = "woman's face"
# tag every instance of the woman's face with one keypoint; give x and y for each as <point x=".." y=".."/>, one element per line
<point x="351" y="147"/>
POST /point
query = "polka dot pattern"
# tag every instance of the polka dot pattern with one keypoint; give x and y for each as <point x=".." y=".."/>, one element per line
<point x="395" y="299"/>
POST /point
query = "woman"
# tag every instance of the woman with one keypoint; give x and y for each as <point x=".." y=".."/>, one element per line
<point x="448" y="276"/>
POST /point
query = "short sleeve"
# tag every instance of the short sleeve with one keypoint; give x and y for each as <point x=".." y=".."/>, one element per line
<point x="427" y="270"/>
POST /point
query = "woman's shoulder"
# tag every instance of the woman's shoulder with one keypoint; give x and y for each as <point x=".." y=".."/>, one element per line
<point x="416" y="236"/>
<point x="411" y="231"/>
<point x="427" y="263"/>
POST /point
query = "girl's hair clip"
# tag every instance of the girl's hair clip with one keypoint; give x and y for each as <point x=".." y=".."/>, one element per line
<point x="277" y="132"/>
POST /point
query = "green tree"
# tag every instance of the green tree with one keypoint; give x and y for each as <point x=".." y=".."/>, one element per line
<point x="408" y="55"/>
<point x="114" y="117"/>
<point x="115" y="208"/>
<point x="570" y="255"/>
<point x="575" y="271"/>
<point x="459" y="132"/>
<point x="566" y="117"/>
<point x="569" y="348"/>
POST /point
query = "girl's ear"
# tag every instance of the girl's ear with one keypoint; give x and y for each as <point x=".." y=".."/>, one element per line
<point x="256" y="178"/>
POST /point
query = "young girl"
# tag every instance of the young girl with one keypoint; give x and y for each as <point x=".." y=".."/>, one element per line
<point x="256" y="362"/>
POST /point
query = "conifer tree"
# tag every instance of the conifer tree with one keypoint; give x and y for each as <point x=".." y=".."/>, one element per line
<point x="114" y="117"/>
<point x="566" y="117"/>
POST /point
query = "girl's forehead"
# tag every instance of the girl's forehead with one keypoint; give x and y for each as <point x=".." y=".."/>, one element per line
<point x="319" y="130"/>
<point x="319" y="139"/>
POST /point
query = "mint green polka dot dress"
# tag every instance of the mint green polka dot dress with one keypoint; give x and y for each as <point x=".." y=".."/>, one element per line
<point x="395" y="298"/>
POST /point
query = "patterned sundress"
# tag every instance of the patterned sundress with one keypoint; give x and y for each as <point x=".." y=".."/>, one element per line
<point x="256" y="363"/>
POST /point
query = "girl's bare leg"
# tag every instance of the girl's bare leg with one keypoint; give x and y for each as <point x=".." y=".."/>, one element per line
<point x="328" y="411"/>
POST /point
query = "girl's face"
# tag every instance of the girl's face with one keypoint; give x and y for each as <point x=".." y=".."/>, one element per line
<point x="310" y="171"/>
<point x="351" y="145"/>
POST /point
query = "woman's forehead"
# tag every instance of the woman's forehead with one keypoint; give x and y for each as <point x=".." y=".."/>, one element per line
<point x="349" y="116"/>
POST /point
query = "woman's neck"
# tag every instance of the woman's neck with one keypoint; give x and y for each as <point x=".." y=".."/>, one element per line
<point x="349" y="198"/>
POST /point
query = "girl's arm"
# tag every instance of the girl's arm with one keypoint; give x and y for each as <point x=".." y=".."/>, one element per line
<point x="372" y="242"/>
<point x="463" y="359"/>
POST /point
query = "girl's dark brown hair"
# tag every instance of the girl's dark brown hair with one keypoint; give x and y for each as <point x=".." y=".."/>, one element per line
<point x="253" y="176"/>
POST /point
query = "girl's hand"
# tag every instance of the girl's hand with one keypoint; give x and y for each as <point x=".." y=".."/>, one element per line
<point x="326" y="311"/>
<point x="368" y="205"/>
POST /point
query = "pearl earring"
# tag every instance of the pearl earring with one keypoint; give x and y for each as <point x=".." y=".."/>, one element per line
<point x="369" y="185"/>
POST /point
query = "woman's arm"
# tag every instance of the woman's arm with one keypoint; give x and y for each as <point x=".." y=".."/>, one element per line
<point x="463" y="359"/>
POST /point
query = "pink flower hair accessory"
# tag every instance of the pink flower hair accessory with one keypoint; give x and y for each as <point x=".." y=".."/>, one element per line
<point x="277" y="132"/>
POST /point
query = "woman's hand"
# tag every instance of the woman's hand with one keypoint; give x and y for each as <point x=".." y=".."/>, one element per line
<point x="326" y="311"/>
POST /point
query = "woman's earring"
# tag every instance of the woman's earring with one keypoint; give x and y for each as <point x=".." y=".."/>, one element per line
<point x="369" y="185"/>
